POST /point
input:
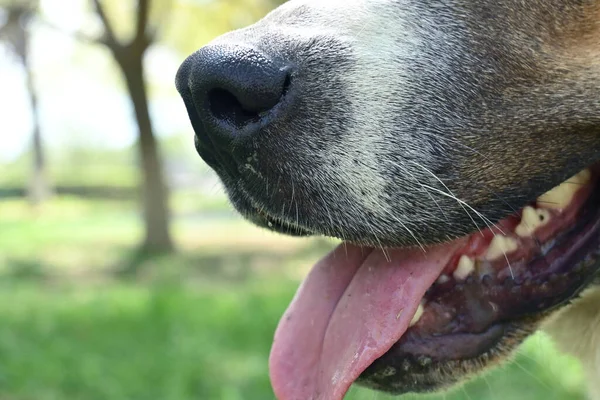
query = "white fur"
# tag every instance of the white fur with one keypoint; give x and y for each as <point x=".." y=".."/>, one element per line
<point x="382" y="43"/>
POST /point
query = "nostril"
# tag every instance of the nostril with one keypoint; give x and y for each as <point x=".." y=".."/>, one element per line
<point x="234" y="92"/>
<point x="287" y="83"/>
<point x="226" y="107"/>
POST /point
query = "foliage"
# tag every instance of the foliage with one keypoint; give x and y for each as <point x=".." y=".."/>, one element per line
<point x="194" y="23"/>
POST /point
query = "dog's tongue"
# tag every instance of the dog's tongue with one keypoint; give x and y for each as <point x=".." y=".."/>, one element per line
<point x="353" y="306"/>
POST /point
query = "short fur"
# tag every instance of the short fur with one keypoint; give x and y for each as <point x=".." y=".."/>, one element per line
<point x="417" y="121"/>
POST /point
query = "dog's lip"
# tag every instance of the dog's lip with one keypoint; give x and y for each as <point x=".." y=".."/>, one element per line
<point x="275" y="224"/>
<point x="263" y="216"/>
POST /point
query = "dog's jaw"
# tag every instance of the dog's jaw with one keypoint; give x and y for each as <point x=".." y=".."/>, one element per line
<point x="357" y="302"/>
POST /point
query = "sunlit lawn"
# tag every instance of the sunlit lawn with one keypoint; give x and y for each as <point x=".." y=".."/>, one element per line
<point x="196" y="325"/>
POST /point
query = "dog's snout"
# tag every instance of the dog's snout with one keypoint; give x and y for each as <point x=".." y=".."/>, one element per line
<point x="235" y="90"/>
<point x="243" y="86"/>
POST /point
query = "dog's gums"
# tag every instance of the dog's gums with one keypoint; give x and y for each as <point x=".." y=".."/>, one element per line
<point x="505" y="253"/>
<point x="526" y="264"/>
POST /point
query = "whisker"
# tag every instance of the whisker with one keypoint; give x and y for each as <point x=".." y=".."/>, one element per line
<point x="459" y="143"/>
<point x="486" y="221"/>
<point x="295" y="202"/>
<point x="332" y="225"/>
<point x="425" y="190"/>
<point x="368" y="225"/>
<point x="451" y="195"/>
<point x="489" y="224"/>
<point x="467" y="395"/>
<point x="454" y="141"/>
<point x="487" y="382"/>
<point x="408" y="230"/>
<point x="387" y="257"/>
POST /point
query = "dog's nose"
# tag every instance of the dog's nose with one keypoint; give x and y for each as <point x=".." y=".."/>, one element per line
<point x="235" y="91"/>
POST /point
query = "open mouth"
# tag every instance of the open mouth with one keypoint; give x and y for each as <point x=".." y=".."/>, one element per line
<point x="376" y="315"/>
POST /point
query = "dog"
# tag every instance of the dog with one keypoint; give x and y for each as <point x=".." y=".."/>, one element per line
<point x="453" y="146"/>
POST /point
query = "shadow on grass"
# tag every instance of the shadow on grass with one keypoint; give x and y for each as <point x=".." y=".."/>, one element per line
<point x="231" y="265"/>
<point x="234" y="265"/>
<point x="26" y="270"/>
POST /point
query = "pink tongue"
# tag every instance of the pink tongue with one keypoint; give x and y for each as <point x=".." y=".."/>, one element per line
<point x="353" y="306"/>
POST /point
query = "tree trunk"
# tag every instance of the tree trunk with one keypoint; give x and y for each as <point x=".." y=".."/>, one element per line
<point x="16" y="31"/>
<point x="154" y="190"/>
<point x="39" y="189"/>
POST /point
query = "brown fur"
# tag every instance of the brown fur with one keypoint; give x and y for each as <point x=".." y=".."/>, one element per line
<point x="570" y="43"/>
<point x="549" y="92"/>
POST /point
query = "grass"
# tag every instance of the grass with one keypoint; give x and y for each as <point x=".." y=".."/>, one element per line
<point x="194" y="325"/>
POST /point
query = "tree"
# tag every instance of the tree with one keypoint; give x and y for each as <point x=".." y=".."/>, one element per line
<point x="15" y="31"/>
<point x="128" y="51"/>
<point x="129" y="56"/>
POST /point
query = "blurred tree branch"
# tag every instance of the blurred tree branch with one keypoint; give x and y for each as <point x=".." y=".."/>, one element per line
<point x="108" y="38"/>
<point x="141" y="35"/>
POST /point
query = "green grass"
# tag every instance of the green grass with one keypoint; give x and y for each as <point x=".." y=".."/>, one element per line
<point x="176" y="343"/>
<point x="131" y="342"/>
<point x="194" y="325"/>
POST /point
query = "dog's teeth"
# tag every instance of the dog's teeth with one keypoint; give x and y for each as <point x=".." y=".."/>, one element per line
<point x="417" y="315"/>
<point x="443" y="279"/>
<point x="500" y="246"/>
<point x="562" y="195"/>
<point x="465" y="267"/>
<point x="531" y="220"/>
<point x="582" y="178"/>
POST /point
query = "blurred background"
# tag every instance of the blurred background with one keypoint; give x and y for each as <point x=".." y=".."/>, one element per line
<point x="124" y="273"/>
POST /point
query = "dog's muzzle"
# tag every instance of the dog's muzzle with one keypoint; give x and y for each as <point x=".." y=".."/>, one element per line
<point x="232" y="92"/>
